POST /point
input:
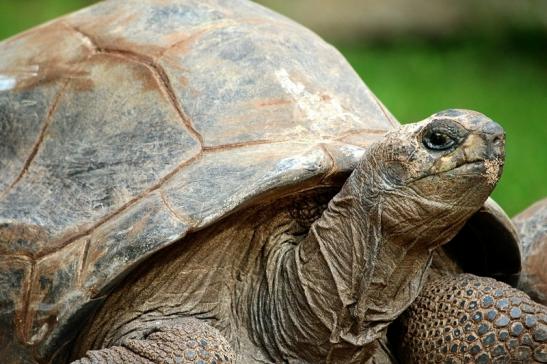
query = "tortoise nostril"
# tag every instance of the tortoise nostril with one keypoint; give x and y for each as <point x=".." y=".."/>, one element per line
<point x="497" y="141"/>
<point x="496" y="145"/>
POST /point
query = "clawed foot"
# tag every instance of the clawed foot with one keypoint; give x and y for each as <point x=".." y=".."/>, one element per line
<point x="191" y="341"/>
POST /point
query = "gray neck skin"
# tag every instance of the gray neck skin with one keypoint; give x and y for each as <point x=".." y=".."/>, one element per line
<point x="357" y="269"/>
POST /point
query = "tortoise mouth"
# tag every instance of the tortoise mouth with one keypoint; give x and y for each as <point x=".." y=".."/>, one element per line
<point x="488" y="169"/>
<point x="473" y="166"/>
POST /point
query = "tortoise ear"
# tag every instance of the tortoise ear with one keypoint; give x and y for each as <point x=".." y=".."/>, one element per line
<point x="488" y="245"/>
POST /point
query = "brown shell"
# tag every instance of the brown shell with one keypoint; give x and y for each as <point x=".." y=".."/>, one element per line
<point x="129" y="124"/>
<point x="532" y="227"/>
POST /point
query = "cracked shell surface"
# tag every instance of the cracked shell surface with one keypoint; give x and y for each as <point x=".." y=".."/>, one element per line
<point x="129" y="124"/>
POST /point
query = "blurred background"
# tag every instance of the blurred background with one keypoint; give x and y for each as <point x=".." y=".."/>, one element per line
<point x="422" y="56"/>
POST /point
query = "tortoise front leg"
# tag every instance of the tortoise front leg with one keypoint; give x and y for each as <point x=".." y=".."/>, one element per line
<point x="190" y="341"/>
<point x="470" y="319"/>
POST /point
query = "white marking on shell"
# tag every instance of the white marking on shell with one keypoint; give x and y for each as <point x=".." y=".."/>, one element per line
<point x="309" y="161"/>
<point x="353" y="151"/>
<point x="326" y="113"/>
<point x="7" y="82"/>
<point x="10" y="78"/>
<point x="123" y="233"/>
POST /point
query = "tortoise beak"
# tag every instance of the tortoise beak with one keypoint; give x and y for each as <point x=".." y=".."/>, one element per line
<point x="494" y="138"/>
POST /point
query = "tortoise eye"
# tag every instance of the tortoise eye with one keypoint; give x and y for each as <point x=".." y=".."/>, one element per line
<point x="443" y="134"/>
<point x="438" y="140"/>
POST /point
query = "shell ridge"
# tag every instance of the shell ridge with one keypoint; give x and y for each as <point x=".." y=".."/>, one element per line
<point x="25" y="327"/>
<point x="184" y="219"/>
<point x="154" y="67"/>
<point x="122" y="208"/>
<point x="86" y="39"/>
<point x="36" y="146"/>
<point x="83" y="262"/>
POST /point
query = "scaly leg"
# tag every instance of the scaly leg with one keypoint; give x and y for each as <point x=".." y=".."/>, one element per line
<point x="470" y="319"/>
<point x="191" y="341"/>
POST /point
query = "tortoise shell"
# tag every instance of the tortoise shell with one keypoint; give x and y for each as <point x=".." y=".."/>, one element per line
<point x="130" y="124"/>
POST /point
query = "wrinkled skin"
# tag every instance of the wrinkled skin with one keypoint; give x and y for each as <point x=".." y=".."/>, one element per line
<point x="284" y="291"/>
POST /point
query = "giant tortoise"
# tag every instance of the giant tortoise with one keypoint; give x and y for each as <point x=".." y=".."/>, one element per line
<point x="207" y="181"/>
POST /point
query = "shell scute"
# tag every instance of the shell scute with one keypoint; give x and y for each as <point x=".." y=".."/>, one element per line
<point x="23" y="115"/>
<point x="102" y="149"/>
<point x="266" y="90"/>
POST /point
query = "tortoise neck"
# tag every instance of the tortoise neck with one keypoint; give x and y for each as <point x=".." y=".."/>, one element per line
<point x="349" y="277"/>
<point x="337" y="262"/>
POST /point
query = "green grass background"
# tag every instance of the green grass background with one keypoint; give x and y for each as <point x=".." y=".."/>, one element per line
<point x="503" y="76"/>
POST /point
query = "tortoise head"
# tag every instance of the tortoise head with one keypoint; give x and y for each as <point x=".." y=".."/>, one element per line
<point x="443" y="167"/>
<point x="462" y="159"/>
<point x="446" y="166"/>
<point x="458" y="157"/>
